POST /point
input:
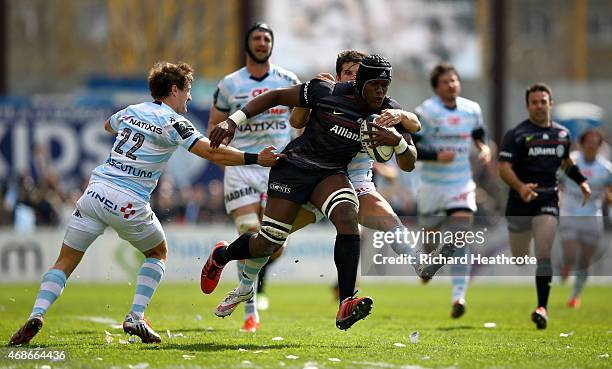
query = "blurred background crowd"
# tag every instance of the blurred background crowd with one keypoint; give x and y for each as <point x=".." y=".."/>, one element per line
<point x="66" y="65"/>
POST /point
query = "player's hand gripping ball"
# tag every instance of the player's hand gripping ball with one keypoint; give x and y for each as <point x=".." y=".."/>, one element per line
<point x="379" y="153"/>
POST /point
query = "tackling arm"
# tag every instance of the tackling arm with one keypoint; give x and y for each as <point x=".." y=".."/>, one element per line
<point x="227" y="155"/>
<point x="289" y="96"/>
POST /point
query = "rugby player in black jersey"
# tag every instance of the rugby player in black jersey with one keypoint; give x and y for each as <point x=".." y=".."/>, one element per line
<point x="530" y="156"/>
<point x="314" y="169"/>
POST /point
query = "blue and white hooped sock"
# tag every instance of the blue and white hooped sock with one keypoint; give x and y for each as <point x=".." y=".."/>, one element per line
<point x="250" y="272"/>
<point x="149" y="276"/>
<point x="460" y="275"/>
<point x="51" y="288"/>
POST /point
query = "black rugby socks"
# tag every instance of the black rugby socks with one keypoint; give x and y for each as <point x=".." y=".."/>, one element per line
<point x="346" y="257"/>
<point x="237" y="250"/>
<point x="543" y="280"/>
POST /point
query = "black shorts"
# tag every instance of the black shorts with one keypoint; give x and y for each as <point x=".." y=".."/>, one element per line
<point x="293" y="183"/>
<point x="519" y="213"/>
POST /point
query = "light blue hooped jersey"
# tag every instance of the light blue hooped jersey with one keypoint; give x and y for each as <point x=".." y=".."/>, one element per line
<point x="148" y="134"/>
<point x="268" y="128"/>
<point x="448" y="129"/>
<point x="599" y="177"/>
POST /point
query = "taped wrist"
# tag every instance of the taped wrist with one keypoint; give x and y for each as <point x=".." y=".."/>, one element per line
<point x="401" y="147"/>
<point x="239" y="117"/>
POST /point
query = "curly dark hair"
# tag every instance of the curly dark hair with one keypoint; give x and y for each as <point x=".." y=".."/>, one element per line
<point x="163" y="75"/>
<point x="348" y="56"/>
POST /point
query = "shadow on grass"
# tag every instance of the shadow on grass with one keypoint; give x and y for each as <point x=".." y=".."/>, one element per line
<point x="200" y="330"/>
<point x="211" y="346"/>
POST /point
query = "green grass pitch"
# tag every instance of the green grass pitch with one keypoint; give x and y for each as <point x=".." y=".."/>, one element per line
<point x="303" y="315"/>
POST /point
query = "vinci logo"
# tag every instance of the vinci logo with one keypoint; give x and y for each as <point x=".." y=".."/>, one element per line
<point x="258" y="91"/>
<point x="127" y="211"/>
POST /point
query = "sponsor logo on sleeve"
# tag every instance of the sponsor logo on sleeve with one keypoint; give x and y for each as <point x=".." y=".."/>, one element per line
<point x="306" y="92"/>
<point x="184" y="129"/>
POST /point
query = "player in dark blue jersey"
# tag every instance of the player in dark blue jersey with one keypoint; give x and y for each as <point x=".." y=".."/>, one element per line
<point x="314" y="170"/>
<point x="530" y="156"/>
<point x="245" y="190"/>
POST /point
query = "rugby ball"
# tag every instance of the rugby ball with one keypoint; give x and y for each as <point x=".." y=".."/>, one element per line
<point x="379" y="154"/>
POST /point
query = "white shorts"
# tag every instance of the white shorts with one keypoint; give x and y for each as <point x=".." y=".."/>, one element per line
<point x="101" y="205"/>
<point x="244" y="185"/>
<point x="436" y="200"/>
<point x="363" y="187"/>
<point x="587" y="230"/>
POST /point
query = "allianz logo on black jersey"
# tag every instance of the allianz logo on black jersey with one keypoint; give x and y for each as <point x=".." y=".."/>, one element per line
<point x="345" y="132"/>
<point x="547" y="151"/>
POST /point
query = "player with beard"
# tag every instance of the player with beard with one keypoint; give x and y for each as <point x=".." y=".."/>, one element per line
<point x="530" y="155"/>
<point x="447" y="197"/>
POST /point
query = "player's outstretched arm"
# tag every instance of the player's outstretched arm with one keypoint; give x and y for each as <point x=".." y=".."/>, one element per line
<point x="289" y="96"/>
<point x="227" y="155"/>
